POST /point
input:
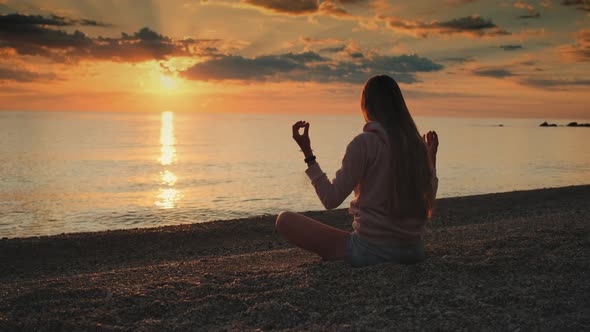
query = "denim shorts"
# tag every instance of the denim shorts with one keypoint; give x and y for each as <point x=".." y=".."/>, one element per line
<point x="362" y="253"/>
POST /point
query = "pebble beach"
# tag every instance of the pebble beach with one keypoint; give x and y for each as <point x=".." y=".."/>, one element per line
<point x="507" y="261"/>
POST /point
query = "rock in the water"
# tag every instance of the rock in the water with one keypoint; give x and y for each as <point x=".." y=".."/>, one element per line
<point x="545" y="124"/>
<point x="575" y="124"/>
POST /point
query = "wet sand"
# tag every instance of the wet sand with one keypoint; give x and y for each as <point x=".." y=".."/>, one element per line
<point x="508" y="261"/>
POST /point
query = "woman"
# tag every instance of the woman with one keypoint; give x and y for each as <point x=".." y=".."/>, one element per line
<point x="392" y="170"/>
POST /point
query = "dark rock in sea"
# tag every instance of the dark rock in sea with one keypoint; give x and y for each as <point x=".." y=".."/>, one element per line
<point x="575" y="124"/>
<point x="545" y="124"/>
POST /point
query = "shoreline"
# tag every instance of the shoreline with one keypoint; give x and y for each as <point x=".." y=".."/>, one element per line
<point x="182" y="227"/>
<point x="511" y="260"/>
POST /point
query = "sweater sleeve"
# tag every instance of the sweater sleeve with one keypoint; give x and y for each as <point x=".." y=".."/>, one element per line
<point x="332" y="194"/>
<point x="434" y="183"/>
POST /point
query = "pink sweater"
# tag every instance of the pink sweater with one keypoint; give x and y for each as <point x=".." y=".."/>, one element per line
<point x="365" y="169"/>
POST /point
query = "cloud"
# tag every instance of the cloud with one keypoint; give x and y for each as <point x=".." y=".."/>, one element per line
<point x="523" y="5"/>
<point x="458" y="59"/>
<point x="474" y="26"/>
<point x="493" y="72"/>
<point x="531" y="15"/>
<point x="330" y="8"/>
<point x="303" y="7"/>
<point x="557" y="84"/>
<point x="38" y="35"/>
<point x="235" y="67"/>
<point x="17" y="20"/>
<point x="94" y="23"/>
<point x="335" y="49"/>
<point x="511" y="47"/>
<point x="458" y="2"/>
<point x="310" y="43"/>
<point x="352" y="2"/>
<point x="580" y="51"/>
<point x="308" y="66"/>
<point x="583" y="5"/>
<point x="24" y="76"/>
<point x="292" y="7"/>
<point x="351" y="50"/>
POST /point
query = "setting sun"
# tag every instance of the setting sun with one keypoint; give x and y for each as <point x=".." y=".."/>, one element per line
<point x="168" y="82"/>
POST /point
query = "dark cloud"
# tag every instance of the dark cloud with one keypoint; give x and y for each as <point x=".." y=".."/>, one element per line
<point x="235" y="67"/>
<point x="511" y="47"/>
<point x="308" y="66"/>
<point x="583" y="5"/>
<point x="351" y="51"/>
<point x="493" y="72"/>
<point x="458" y="59"/>
<point x="333" y="49"/>
<point x="38" y="35"/>
<point x="16" y="20"/>
<point x="303" y="7"/>
<point x="530" y="15"/>
<point x="293" y="7"/>
<point x="459" y="2"/>
<point x="24" y="76"/>
<point x="32" y="35"/>
<point x="19" y="20"/>
<point x="94" y="23"/>
<point x="467" y="23"/>
<point x="475" y="26"/>
<point x="557" y="84"/>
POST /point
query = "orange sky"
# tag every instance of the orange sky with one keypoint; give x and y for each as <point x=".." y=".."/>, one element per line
<point x="452" y="58"/>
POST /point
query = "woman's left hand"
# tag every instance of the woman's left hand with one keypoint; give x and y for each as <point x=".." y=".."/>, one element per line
<point x="431" y="141"/>
<point x="302" y="139"/>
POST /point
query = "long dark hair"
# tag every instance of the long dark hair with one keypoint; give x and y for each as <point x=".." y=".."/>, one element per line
<point x="411" y="175"/>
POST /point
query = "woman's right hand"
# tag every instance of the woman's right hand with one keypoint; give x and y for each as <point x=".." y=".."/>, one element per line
<point x="302" y="139"/>
<point x="431" y="141"/>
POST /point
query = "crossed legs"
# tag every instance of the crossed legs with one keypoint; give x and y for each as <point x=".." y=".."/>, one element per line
<point x="309" y="234"/>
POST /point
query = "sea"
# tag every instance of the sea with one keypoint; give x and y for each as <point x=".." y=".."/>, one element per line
<point x="63" y="172"/>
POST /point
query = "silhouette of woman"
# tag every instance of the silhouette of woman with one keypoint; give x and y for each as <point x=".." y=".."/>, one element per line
<point x="392" y="171"/>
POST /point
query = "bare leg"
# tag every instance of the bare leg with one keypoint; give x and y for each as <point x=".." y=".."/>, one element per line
<point x="312" y="235"/>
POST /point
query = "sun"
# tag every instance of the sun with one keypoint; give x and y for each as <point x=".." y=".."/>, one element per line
<point x="168" y="82"/>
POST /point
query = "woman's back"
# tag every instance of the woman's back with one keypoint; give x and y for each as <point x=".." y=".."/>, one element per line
<point x="366" y="169"/>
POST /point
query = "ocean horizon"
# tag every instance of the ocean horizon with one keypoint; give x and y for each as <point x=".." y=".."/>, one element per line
<point x="65" y="172"/>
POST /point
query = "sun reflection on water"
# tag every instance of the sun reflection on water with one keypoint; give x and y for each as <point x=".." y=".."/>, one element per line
<point x="168" y="196"/>
<point x="167" y="139"/>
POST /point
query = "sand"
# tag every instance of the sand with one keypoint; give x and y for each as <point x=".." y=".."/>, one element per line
<point x="508" y="261"/>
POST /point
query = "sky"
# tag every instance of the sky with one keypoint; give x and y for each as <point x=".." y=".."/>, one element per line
<point x="466" y="58"/>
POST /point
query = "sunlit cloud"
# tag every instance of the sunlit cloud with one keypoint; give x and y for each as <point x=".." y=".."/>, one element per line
<point x="580" y="50"/>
